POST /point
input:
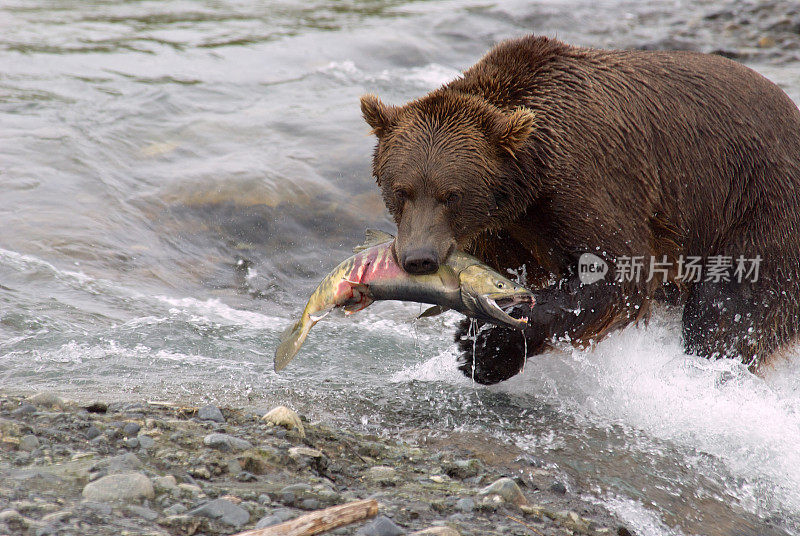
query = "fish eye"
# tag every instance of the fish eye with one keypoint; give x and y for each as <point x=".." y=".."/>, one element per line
<point x="500" y="285"/>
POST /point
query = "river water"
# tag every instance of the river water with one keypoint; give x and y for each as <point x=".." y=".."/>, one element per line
<point x="177" y="175"/>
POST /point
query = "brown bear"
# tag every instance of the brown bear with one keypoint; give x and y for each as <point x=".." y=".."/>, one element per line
<point x="544" y="152"/>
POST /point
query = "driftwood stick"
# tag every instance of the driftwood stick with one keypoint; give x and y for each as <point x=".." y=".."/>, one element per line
<point x="320" y="521"/>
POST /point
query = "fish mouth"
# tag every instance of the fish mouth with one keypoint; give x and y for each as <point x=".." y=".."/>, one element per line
<point x="496" y="307"/>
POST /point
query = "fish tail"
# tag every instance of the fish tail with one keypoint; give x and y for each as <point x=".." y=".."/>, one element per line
<point x="291" y="341"/>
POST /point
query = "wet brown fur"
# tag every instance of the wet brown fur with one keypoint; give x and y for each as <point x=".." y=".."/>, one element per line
<point x="542" y="151"/>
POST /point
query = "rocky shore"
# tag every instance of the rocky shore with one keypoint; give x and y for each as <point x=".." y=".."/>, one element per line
<point x="159" y="469"/>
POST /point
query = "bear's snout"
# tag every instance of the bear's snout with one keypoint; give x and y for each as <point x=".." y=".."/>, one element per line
<point x="420" y="261"/>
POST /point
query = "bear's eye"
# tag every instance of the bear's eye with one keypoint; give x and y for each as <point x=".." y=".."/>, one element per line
<point x="401" y="195"/>
<point x="452" y="199"/>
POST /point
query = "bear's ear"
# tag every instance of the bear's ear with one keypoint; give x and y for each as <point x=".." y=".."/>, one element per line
<point x="515" y="130"/>
<point x="377" y="115"/>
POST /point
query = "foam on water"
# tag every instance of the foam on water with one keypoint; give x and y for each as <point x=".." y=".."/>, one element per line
<point x="647" y="523"/>
<point x="215" y="310"/>
<point x="424" y="77"/>
<point x="640" y="379"/>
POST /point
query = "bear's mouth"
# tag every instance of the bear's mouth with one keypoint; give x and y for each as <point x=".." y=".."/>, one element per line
<point x="500" y="307"/>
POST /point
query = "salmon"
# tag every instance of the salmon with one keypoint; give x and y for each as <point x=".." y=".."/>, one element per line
<point x="463" y="284"/>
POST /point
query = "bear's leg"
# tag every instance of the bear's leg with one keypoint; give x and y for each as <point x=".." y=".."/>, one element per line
<point x="580" y="313"/>
<point x="736" y="320"/>
<point x="490" y="353"/>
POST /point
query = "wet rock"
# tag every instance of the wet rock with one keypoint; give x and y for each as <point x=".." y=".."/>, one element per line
<point x="226" y="443"/>
<point x="285" y="417"/>
<point x="380" y="526"/>
<point x="131" y="429"/>
<point x="119" y="487"/>
<point x="224" y="511"/>
<point x="210" y="413"/>
<point x="558" y="487"/>
<point x="29" y="443"/>
<point x="506" y="489"/>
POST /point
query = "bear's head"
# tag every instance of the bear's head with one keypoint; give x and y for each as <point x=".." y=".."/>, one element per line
<point x="448" y="168"/>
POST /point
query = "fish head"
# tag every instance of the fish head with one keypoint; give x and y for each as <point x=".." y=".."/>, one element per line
<point x="486" y="295"/>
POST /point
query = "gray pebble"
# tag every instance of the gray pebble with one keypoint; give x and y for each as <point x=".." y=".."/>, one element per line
<point x="264" y="499"/>
<point x="210" y="413"/>
<point x="268" y="521"/>
<point x="119" y="487"/>
<point x="226" y="442"/>
<point x="310" y="504"/>
<point x="558" y="487"/>
<point x="29" y="443"/>
<point x="92" y="432"/>
<point x="507" y="489"/>
<point x="380" y="526"/>
<point x="234" y="467"/>
<point x="145" y="441"/>
<point x="465" y="504"/>
<point x="131" y="442"/>
<point x="284" y="513"/>
<point x="167" y="482"/>
<point x="131" y="429"/>
<point x="223" y="511"/>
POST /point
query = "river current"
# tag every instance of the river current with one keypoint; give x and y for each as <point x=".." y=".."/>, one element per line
<point x="178" y="175"/>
